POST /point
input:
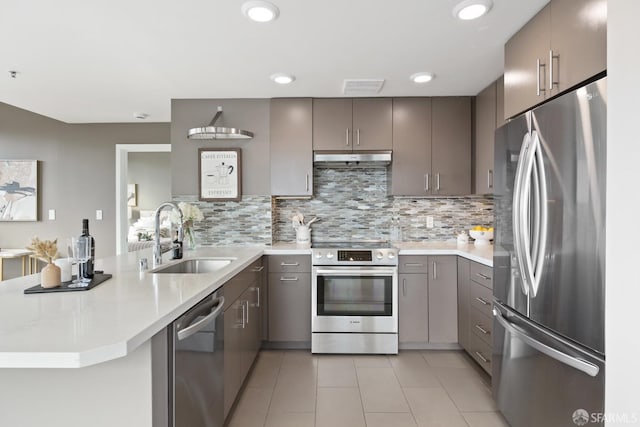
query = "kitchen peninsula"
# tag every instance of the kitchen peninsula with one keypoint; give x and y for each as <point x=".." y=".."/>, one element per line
<point x="113" y="335"/>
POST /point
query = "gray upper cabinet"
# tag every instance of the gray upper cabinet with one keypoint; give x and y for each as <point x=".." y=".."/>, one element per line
<point x="352" y="124"/>
<point x="578" y="41"/>
<point x="451" y="146"/>
<point x="485" y="127"/>
<point x="291" y="139"/>
<point x="411" y="146"/>
<point x="525" y="60"/>
<point x="561" y="46"/>
<point x="431" y="147"/>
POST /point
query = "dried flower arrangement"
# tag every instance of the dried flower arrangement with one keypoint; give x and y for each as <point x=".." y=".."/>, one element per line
<point x="44" y="248"/>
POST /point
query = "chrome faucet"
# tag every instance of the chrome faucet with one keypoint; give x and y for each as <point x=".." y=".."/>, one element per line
<point x="157" y="250"/>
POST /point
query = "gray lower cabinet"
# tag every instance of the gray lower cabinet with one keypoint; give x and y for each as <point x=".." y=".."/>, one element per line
<point x="474" y="308"/>
<point x="289" y="299"/>
<point x="427" y="300"/>
<point x="431" y="146"/>
<point x="290" y="146"/>
<point x="242" y="329"/>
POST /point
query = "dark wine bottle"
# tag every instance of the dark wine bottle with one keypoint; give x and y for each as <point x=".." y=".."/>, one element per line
<point x="177" y="247"/>
<point x="86" y="268"/>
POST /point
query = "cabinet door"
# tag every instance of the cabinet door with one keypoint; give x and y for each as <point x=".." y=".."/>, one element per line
<point x="485" y="128"/>
<point x="500" y="119"/>
<point x="233" y="326"/>
<point x="443" y="299"/>
<point x="332" y="124"/>
<point x="411" y="146"/>
<point x="521" y="53"/>
<point x="451" y="146"/>
<point x="372" y="124"/>
<point x="290" y="307"/>
<point x="413" y="315"/>
<point x="291" y="138"/>
<point x="579" y="40"/>
<point x="463" y="302"/>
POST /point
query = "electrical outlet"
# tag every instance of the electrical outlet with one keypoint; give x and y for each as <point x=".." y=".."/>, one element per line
<point x="99" y="214"/>
<point x="429" y="221"/>
<point x="52" y="214"/>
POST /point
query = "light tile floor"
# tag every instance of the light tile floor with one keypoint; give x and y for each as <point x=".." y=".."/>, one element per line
<point x="412" y="389"/>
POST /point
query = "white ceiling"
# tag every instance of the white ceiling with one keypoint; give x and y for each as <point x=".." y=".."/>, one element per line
<point x="84" y="61"/>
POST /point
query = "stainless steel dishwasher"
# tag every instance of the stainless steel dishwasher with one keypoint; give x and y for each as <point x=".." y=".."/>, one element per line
<point x="196" y="366"/>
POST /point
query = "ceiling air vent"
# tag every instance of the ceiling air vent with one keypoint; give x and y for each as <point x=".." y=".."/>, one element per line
<point x="361" y="87"/>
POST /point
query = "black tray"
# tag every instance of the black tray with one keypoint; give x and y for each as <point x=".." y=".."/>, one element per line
<point x="64" y="287"/>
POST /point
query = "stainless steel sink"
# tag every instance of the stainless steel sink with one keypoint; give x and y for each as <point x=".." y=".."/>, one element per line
<point x="195" y="266"/>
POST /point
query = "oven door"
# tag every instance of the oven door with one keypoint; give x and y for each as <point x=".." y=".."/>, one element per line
<point x="354" y="299"/>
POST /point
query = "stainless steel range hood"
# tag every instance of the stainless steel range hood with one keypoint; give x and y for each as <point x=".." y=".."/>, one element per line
<point x="352" y="159"/>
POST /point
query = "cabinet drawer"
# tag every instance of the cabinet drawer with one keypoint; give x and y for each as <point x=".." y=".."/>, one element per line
<point x="480" y="298"/>
<point x="289" y="263"/>
<point x="413" y="264"/>
<point x="481" y="274"/>
<point x="481" y="352"/>
<point x="481" y="325"/>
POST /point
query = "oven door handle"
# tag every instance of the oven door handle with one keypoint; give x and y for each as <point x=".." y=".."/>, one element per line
<point x="359" y="272"/>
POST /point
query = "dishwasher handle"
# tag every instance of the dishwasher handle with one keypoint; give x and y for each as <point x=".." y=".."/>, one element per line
<point x="200" y="324"/>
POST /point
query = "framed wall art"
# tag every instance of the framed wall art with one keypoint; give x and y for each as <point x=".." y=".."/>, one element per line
<point x="18" y="190"/>
<point x="220" y="174"/>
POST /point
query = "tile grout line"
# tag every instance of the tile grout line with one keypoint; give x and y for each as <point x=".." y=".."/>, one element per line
<point x="404" y="394"/>
<point x="273" y="390"/>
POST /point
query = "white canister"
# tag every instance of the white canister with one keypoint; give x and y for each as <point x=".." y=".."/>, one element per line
<point x="65" y="269"/>
<point x="303" y="234"/>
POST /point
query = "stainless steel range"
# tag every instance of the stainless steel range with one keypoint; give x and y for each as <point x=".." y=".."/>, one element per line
<point x="354" y="298"/>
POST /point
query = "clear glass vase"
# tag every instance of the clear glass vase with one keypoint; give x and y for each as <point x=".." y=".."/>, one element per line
<point x="189" y="241"/>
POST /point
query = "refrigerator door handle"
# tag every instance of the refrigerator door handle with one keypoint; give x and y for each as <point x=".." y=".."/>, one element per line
<point x="528" y="214"/>
<point x="517" y="211"/>
<point x="541" y="226"/>
<point x="579" y="364"/>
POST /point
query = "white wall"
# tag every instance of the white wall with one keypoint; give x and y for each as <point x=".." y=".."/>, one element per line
<point x="623" y="212"/>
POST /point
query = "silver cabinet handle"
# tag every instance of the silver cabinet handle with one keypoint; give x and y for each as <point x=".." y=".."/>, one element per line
<point x="579" y="364"/>
<point x="539" y="89"/>
<point x="306" y="182"/>
<point x="289" y="264"/>
<point x="437" y="182"/>
<point x="243" y="315"/>
<point x="481" y="357"/>
<point x="483" y="276"/>
<point x="483" y="330"/>
<point x="552" y="83"/>
<point x="435" y="271"/>
<point x="426" y="182"/>
<point x="247" y="310"/>
<point x="347" y="136"/>
<point x="483" y="302"/>
<point x="258" y="269"/>
<point x="404" y="287"/>
<point x="413" y="264"/>
<point x="489" y="178"/>
<point x="288" y="279"/>
<point x="358" y="136"/>
<point x="200" y="324"/>
<point x="257" y="303"/>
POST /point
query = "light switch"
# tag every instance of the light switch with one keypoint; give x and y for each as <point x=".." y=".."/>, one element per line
<point x="429" y="221"/>
<point x="99" y="214"/>
<point x="52" y="214"/>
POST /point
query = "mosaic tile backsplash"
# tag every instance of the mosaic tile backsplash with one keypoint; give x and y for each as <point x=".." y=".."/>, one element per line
<point x="247" y="222"/>
<point x="351" y="204"/>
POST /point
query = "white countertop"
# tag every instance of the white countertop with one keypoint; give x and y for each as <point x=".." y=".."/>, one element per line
<point x="77" y="329"/>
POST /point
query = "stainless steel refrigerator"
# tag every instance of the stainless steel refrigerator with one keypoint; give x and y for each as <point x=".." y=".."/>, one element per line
<point x="549" y="262"/>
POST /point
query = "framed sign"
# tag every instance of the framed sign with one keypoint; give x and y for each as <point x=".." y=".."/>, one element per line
<point x="18" y="190"/>
<point x="220" y="174"/>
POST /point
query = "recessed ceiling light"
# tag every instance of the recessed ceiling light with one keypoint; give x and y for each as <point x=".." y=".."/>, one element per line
<point x="140" y="116"/>
<point x="260" y="11"/>
<point x="283" y="79"/>
<point x="472" y="9"/>
<point x="422" y="77"/>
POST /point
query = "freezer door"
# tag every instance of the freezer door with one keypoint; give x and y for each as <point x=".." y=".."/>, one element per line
<point x="569" y="294"/>
<point x="508" y="286"/>
<point x="540" y="379"/>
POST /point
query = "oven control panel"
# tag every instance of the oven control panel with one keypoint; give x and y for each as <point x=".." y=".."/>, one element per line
<point x="387" y="256"/>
